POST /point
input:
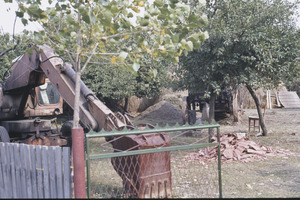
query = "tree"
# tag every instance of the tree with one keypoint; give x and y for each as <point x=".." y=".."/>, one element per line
<point x="114" y="81"/>
<point x="251" y="42"/>
<point x="85" y="29"/>
<point x="10" y="48"/>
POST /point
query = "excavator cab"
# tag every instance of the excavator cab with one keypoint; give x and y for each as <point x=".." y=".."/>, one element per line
<point x="47" y="95"/>
<point x="44" y="100"/>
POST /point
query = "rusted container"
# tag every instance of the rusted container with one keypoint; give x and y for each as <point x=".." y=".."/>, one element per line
<point x="146" y="175"/>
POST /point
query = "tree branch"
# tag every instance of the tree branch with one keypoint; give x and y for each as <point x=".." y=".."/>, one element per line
<point x="71" y="58"/>
<point x="89" y="58"/>
<point x="6" y="51"/>
<point x="104" y="39"/>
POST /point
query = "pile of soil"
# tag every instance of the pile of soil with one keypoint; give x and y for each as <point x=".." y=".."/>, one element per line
<point x="164" y="111"/>
<point x="236" y="147"/>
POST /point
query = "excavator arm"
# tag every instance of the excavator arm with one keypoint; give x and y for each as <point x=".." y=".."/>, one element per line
<point x="32" y="69"/>
<point x="93" y="113"/>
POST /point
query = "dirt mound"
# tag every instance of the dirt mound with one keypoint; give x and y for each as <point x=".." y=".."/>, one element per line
<point x="236" y="147"/>
<point x="164" y="111"/>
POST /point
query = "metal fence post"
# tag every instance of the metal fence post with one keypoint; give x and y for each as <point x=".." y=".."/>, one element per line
<point x="78" y="162"/>
<point x="219" y="163"/>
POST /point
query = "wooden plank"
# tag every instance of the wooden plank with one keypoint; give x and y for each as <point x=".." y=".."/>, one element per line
<point x="67" y="172"/>
<point x="18" y="169"/>
<point x="23" y="172"/>
<point x="45" y="171"/>
<point x="289" y="99"/>
<point x="8" y="182"/>
<point x="28" y="171"/>
<point x="33" y="170"/>
<point x="39" y="169"/>
<point x="59" y="179"/>
<point x="1" y="176"/>
<point x="1" y="181"/>
<point x="13" y="170"/>
<point x="3" y="172"/>
<point x="51" y="153"/>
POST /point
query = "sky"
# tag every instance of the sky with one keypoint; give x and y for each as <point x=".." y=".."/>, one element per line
<point x="7" y="18"/>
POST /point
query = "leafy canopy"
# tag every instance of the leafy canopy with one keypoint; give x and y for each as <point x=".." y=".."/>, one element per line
<point x="173" y="27"/>
<point x="130" y="45"/>
<point x="253" y="42"/>
<point x="10" y="49"/>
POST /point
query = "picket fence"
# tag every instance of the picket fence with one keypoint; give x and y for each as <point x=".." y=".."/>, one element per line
<point x="29" y="171"/>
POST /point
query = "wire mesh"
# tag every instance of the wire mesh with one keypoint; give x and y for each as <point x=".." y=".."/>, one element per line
<point x="162" y="174"/>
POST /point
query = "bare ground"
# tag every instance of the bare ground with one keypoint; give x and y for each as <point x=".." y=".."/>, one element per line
<point x="274" y="177"/>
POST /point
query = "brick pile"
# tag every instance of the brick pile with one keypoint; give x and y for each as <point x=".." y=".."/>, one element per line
<point x="236" y="147"/>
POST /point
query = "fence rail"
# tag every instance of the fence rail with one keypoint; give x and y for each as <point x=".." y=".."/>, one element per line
<point x="187" y="177"/>
<point x="29" y="171"/>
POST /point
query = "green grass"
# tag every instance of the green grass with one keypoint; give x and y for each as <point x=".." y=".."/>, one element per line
<point x="189" y="179"/>
<point x="273" y="177"/>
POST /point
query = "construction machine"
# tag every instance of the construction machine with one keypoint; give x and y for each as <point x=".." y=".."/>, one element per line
<point x="32" y="97"/>
<point x="197" y="102"/>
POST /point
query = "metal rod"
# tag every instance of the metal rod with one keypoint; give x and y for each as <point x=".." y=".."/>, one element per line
<point x="219" y="164"/>
<point x="72" y="75"/>
<point x="144" y="151"/>
<point x="147" y="130"/>
<point x="88" y="172"/>
<point x="78" y="163"/>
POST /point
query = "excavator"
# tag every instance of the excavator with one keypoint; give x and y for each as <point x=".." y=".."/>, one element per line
<point x="32" y="97"/>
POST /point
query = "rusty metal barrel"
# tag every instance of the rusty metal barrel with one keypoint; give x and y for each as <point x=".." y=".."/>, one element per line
<point x="145" y="175"/>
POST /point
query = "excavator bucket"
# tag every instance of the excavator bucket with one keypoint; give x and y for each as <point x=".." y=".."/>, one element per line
<point x="145" y="175"/>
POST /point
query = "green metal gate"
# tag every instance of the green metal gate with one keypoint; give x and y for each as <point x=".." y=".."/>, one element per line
<point x="190" y="178"/>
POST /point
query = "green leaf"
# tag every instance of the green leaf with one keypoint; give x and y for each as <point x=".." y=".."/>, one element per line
<point x="73" y="35"/>
<point x="86" y="18"/>
<point x="155" y="72"/>
<point x="193" y="18"/>
<point x="174" y="1"/>
<point x="92" y="18"/>
<point x="122" y="56"/>
<point x="24" y="21"/>
<point x="107" y="17"/>
<point x="175" y="38"/>
<point x="52" y="12"/>
<point x="189" y="45"/>
<point x="144" y="22"/>
<point x="82" y="9"/>
<point x="130" y="15"/>
<point x="159" y="3"/>
<point x="20" y="14"/>
<point x="153" y="11"/>
<point x="136" y="66"/>
<point x="114" y="9"/>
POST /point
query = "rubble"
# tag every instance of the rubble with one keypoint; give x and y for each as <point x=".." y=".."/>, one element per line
<point x="236" y="147"/>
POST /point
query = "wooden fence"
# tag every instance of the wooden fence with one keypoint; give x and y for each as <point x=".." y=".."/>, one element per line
<point x="28" y="171"/>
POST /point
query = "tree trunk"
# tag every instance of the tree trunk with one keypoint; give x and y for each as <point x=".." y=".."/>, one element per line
<point x="76" y="100"/>
<point x="125" y="105"/>
<point x="260" y="115"/>
<point x="205" y="112"/>
<point x="211" y="117"/>
<point x="235" y="107"/>
<point x="78" y="78"/>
